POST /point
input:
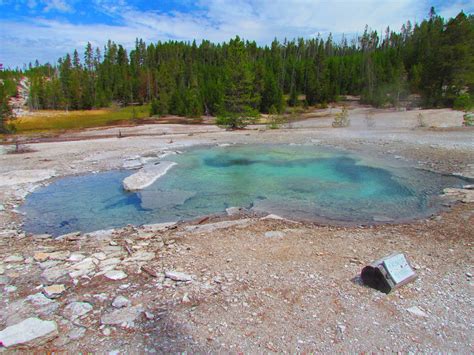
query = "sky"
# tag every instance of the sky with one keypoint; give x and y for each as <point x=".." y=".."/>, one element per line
<point x="48" y="29"/>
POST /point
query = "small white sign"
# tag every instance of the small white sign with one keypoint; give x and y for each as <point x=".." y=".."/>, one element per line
<point x="398" y="268"/>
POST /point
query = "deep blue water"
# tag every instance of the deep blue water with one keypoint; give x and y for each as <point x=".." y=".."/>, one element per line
<point x="304" y="182"/>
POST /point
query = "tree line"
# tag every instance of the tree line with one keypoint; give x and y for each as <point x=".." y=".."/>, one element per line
<point x="239" y="79"/>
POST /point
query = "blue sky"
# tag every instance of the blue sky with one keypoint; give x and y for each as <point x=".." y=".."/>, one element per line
<point x="47" y="29"/>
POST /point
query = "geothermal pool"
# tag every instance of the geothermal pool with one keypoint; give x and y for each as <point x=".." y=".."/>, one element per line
<point x="302" y="182"/>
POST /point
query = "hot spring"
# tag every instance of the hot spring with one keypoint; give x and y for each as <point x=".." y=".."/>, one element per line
<point x="300" y="182"/>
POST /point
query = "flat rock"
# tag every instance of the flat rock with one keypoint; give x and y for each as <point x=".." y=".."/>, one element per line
<point x="41" y="236"/>
<point x="178" y="276"/>
<point x="417" y="311"/>
<point x="463" y="195"/>
<point x="115" y="275"/>
<point x="15" y="258"/>
<point x="277" y="218"/>
<point x="75" y="310"/>
<point x="158" y="227"/>
<point x="30" y="332"/>
<point x="120" y="302"/>
<point x="17" y="177"/>
<point x="42" y="305"/>
<point x="60" y="255"/>
<point x="54" y="291"/>
<point x="77" y="333"/>
<point x="54" y="274"/>
<point x="123" y="316"/>
<point x="75" y="257"/>
<point x="210" y="227"/>
<point x="233" y="211"/>
<point x="41" y="256"/>
<point x="141" y="256"/>
<point x="146" y="176"/>
<point x="274" y="234"/>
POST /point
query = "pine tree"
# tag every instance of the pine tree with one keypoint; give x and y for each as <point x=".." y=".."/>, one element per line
<point x="238" y="108"/>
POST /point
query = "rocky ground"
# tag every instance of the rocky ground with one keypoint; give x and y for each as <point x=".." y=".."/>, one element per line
<point x="239" y="282"/>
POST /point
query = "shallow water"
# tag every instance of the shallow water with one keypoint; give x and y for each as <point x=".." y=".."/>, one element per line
<point x="303" y="182"/>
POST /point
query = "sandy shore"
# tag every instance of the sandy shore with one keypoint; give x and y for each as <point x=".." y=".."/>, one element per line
<point x="254" y="286"/>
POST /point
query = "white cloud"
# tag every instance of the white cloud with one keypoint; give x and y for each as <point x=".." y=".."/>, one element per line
<point x="216" y="20"/>
<point x="58" y="5"/>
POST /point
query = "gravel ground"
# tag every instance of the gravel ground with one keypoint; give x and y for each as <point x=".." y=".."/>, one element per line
<point x="248" y="285"/>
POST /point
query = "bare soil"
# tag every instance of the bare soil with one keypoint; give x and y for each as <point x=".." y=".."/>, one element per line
<point x="252" y="291"/>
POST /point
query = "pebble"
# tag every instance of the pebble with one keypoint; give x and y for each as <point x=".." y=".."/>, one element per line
<point x="115" y="275"/>
<point x="31" y="331"/>
<point x="120" y="302"/>
<point x="106" y="332"/>
<point x="75" y="310"/>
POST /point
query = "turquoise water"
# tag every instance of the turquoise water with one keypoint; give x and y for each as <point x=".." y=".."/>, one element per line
<point x="304" y="182"/>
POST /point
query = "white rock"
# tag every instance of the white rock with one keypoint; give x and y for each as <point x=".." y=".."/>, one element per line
<point x="123" y="316"/>
<point x="42" y="304"/>
<point x="178" y="276"/>
<point x="54" y="291"/>
<point x="115" y="275"/>
<point x="59" y="255"/>
<point x="233" y="211"/>
<point x="120" y="302"/>
<point x="17" y="177"/>
<point x="15" y="258"/>
<point x="158" y="227"/>
<point x="77" y="333"/>
<point x="10" y="289"/>
<point x="31" y="331"/>
<point x="54" y="274"/>
<point x="417" y="311"/>
<point x="76" y="257"/>
<point x="75" y="310"/>
<point x="85" y="264"/>
<point x="99" y="256"/>
<point x="146" y="176"/>
<point x="274" y="234"/>
<point x="41" y="236"/>
<point x="141" y="256"/>
<point x="2" y="208"/>
<point x="210" y="227"/>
